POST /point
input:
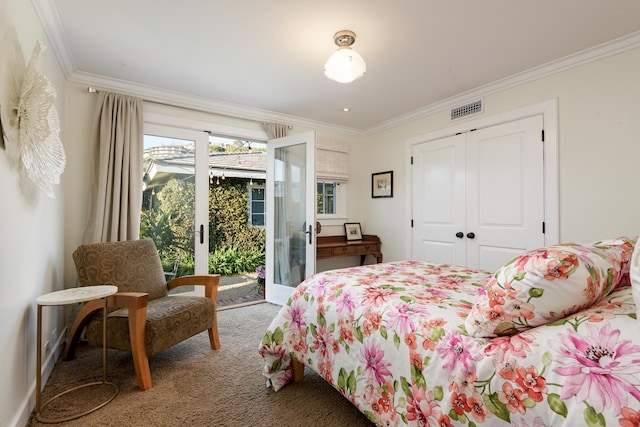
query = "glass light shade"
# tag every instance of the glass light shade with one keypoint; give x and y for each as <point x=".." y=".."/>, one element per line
<point x="345" y="66"/>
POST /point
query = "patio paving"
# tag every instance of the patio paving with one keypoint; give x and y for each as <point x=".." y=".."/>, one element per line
<point x="239" y="289"/>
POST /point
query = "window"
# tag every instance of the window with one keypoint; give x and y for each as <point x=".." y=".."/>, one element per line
<point x="332" y="175"/>
<point x="326" y="198"/>
<point x="256" y="206"/>
<point x="331" y="201"/>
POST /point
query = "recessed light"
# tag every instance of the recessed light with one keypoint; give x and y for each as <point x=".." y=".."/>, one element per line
<point x="346" y="109"/>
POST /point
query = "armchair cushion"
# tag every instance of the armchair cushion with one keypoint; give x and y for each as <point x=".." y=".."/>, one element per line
<point x="169" y="321"/>
<point x="132" y="266"/>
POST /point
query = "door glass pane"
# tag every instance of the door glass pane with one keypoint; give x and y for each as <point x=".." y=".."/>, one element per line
<point x="168" y="206"/>
<point x="290" y="214"/>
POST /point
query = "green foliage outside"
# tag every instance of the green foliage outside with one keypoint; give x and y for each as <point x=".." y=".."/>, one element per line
<point x="230" y="261"/>
<point x="233" y="246"/>
<point x="228" y="213"/>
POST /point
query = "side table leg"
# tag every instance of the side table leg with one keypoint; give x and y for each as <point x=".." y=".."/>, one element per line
<point x="39" y="361"/>
<point x="104" y="342"/>
<point x="62" y="301"/>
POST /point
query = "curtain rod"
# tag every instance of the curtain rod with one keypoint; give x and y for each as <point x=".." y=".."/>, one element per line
<point x="92" y="89"/>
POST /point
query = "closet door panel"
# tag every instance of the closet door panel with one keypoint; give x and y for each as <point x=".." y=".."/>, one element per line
<point x="439" y="202"/>
<point x="505" y="192"/>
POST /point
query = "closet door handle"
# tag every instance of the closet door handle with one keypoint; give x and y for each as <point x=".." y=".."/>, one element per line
<point x="459" y="235"/>
<point x="471" y="235"/>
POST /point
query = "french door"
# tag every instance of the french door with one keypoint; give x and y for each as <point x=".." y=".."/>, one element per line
<point x="176" y="165"/>
<point x="291" y="207"/>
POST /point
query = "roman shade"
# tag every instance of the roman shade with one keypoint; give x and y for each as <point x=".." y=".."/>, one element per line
<point x="332" y="160"/>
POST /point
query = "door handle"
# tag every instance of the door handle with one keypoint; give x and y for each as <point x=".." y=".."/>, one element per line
<point x="471" y="235"/>
<point x="310" y="233"/>
<point x="459" y="235"/>
<point x="201" y="234"/>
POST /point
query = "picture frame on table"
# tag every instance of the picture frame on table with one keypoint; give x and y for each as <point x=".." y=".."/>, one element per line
<point x="353" y="231"/>
<point x="382" y="184"/>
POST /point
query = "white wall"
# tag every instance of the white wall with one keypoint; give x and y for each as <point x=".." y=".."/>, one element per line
<point x="79" y="108"/>
<point x="599" y="109"/>
<point x="31" y="242"/>
<point x="598" y="105"/>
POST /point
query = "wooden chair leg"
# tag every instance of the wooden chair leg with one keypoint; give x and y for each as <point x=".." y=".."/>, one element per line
<point x="214" y="339"/>
<point x="137" y="323"/>
<point x="81" y="320"/>
<point x="298" y="370"/>
<point x="143" y="373"/>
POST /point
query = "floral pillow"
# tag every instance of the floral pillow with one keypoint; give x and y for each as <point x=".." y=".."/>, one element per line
<point x="635" y="279"/>
<point x="548" y="284"/>
<point x="619" y="252"/>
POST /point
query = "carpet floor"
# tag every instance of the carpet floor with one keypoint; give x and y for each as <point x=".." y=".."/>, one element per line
<point x="196" y="386"/>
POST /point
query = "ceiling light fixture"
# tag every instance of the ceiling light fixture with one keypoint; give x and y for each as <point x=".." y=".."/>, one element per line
<point x="345" y="65"/>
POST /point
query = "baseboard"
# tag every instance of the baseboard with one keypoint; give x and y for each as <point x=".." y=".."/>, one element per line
<point x="28" y="404"/>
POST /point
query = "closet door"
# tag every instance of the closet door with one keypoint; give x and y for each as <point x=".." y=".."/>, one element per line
<point x="439" y="201"/>
<point x="478" y="197"/>
<point x="505" y="192"/>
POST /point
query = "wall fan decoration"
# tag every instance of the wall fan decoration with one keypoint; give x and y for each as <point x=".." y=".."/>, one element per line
<point x="41" y="150"/>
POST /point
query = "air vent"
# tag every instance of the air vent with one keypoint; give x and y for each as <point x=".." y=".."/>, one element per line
<point x="466" y="110"/>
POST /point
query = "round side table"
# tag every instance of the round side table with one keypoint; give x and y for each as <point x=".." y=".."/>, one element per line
<point x="65" y="297"/>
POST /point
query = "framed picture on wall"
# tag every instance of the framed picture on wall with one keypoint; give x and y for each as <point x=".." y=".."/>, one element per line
<point x="382" y="184"/>
<point x="353" y="231"/>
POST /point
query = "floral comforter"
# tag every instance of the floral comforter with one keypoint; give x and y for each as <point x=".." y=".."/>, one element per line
<point x="391" y="338"/>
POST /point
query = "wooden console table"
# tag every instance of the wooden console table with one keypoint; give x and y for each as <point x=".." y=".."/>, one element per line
<point x="336" y="246"/>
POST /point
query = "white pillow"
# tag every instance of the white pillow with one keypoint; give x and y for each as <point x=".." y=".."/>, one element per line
<point x="634" y="273"/>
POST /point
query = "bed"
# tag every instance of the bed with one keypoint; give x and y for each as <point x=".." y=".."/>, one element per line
<point x="550" y="339"/>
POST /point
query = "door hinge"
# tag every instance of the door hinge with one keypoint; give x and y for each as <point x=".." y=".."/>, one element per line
<point x="542" y="135"/>
<point x="543" y="227"/>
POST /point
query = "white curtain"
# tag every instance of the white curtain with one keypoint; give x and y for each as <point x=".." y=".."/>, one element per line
<point x="275" y="130"/>
<point x="117" y="192"/>
<point x="281" y="269"/>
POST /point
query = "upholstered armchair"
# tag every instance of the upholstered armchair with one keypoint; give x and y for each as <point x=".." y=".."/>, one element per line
<point x="142" y="317"/>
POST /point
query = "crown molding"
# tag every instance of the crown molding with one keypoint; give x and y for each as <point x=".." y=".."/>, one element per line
<point x="192" y="102"/>
<point x="164" y="96"/>
<point x="577" y="59"/>
<point x="50" y="20"/>
<point x="48" y="15"/>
